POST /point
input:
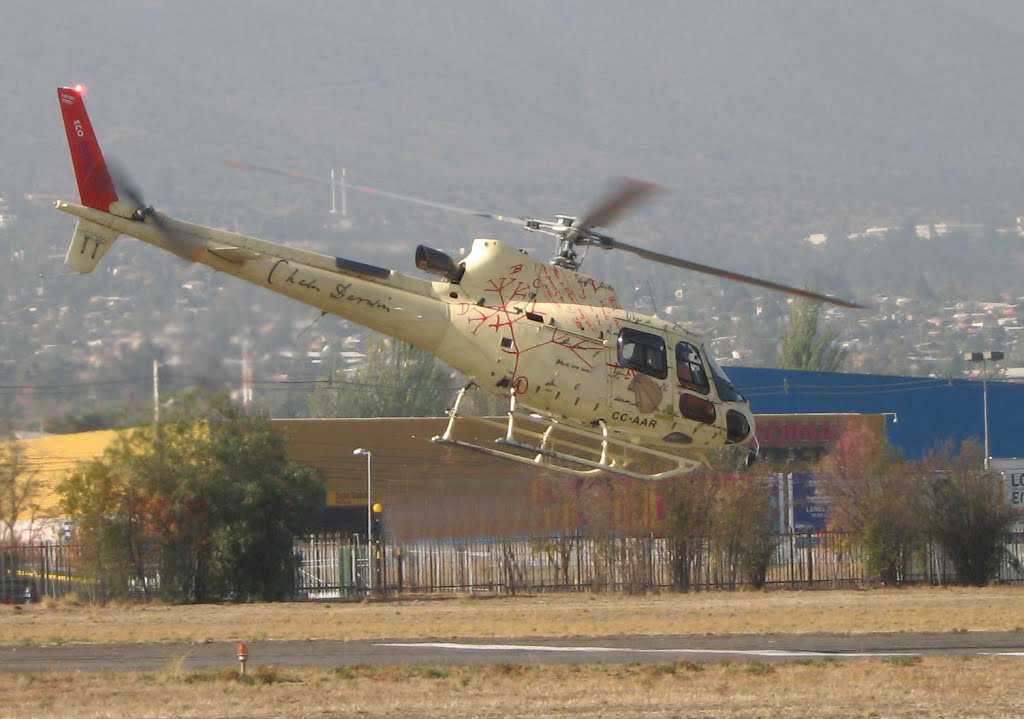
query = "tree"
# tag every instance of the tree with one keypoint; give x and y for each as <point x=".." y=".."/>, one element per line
<point x="398" y="380"/>
<point x="18" y="487"/>
<point x="209" y="503"/>
<point x="806" y="344"/>
<point x="874" y="498"/>
<point x="727" y="515"/>
<point x="107" y="502"/>
<point x="690" y="503"/>
<point x="255" y="520"/>
<point x="968" y="514"/>
<point x="744" y="528"/>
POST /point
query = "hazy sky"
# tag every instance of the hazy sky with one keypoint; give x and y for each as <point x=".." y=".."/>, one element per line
<point x="913" y="103"/>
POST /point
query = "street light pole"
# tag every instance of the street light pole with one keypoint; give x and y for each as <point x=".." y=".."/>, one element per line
<point x="984" y="358"/>
<point x="369" y="514"/>
<point x="984" y="406"/>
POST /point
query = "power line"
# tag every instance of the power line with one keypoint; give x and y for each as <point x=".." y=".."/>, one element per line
<point x="298" y="384"/>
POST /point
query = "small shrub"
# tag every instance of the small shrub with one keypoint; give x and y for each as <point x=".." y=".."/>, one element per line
<point x="429" y="672"/>
<point x="759" y="668"/>
<point x="506" y="669"/>
<point x="267" y="675"/>
<point x="345" y="672"/>
<point x="662" y="668"/>
<point x="198" y="677"/>
<point x="904" y="661"/>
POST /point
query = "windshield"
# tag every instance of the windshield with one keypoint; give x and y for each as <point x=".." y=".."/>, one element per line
<point x="726" y="389"/>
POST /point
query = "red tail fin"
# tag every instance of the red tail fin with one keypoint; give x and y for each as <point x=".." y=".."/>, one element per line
<point x="94" y="184"/>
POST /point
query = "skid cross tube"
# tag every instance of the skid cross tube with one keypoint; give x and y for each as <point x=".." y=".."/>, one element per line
<point x="578" y="454"/>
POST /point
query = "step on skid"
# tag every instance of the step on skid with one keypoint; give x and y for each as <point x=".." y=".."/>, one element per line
<point x="531" y="438"/>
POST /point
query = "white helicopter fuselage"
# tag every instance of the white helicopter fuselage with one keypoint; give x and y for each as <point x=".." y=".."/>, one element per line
<point x="509" y="322"/>
<point x="611" y="389"/>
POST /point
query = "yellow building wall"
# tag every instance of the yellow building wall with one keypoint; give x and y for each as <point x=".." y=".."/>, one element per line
<point x="48" y="460"/>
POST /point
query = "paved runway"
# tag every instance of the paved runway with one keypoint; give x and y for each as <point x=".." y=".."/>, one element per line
<point x="330" y="654"/>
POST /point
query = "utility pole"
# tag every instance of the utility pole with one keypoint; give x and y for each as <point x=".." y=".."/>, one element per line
<point x="156" y="394"/>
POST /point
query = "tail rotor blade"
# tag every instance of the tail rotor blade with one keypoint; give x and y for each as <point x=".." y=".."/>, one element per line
<point x="179" y="241"/>
<point x="126" y="187"/>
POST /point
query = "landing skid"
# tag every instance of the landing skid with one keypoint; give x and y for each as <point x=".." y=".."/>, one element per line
<point x="544" y="442"/>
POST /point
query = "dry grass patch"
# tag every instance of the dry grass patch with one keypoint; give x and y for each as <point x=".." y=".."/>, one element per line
<point x="568" y="615"/>
<point x="984" y="688"/>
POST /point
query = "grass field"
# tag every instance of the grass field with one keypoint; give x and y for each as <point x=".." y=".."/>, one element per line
<point x="981" y="688"/>
<point x="985" y="687"/>
<point x="563" y="615"/>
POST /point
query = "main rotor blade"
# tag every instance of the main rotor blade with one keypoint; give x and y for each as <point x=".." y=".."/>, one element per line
<point x="625" y="194"/>
<point x="726" y="274"/>
<point x="239" y="165"/>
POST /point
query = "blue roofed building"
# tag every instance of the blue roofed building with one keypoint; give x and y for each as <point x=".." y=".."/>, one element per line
<point x="920" y="412"/>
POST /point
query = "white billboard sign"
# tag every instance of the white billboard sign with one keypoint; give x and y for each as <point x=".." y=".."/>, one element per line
<point x="1013" y="475"/>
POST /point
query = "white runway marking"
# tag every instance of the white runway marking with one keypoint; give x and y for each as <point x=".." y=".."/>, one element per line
<point x="638" y="650"/>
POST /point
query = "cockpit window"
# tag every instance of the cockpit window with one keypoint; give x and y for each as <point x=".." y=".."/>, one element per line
<point x="643" y="352"/>
<point x="726" y="389"/>
<point x="689" y="369"/>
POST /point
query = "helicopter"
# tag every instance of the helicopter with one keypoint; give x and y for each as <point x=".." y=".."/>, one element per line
<point x="591" y="387"/>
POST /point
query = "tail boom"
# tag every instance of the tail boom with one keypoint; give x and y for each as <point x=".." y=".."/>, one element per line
<point x="383" y="300"/>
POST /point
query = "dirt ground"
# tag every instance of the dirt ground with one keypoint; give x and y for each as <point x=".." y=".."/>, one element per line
<point x="983" y="687"/>
<point x="924" y="609"/>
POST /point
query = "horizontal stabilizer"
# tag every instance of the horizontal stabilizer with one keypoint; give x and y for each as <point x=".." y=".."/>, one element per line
<point x="88" y="245"/>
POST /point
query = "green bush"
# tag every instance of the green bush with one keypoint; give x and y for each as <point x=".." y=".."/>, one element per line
<point x="723" y="515"/>
<point x="209" y="504"/>
<point x="969" y="516"/>
<point x="744" y="529"/>
<point x="874" y="498"/>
